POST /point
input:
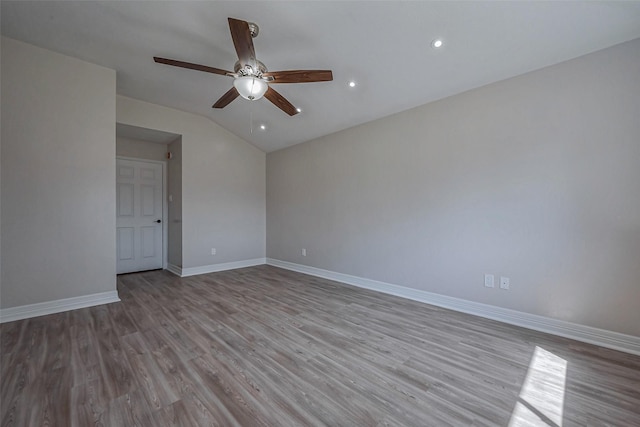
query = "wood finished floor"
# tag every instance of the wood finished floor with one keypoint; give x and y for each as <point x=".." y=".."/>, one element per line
<point x="263" y="346"/>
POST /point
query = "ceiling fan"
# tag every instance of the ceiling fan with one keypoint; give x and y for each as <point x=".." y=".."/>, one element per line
<point x="251" y="78"/>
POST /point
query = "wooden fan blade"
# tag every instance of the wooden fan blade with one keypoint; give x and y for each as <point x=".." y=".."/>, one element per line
<point x="226" y="98"/>
<point x="191" y="66"/>
<point x="280" y="102"/>
<point x="300" y="76"/>
<point x="243" y="42"/>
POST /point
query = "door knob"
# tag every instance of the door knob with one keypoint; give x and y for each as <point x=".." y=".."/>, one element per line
<point x="158" y="221"/>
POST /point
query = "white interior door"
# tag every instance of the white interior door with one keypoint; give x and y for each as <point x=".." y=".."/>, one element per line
<point x="139" y="218"/>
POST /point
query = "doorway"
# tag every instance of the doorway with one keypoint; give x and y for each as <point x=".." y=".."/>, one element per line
<point x="137" y="239"/>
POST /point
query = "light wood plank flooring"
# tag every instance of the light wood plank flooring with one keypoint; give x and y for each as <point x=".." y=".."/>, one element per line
<point x="262" y="346"/>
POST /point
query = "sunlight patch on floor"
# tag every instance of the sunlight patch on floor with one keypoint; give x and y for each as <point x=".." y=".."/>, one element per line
<point x="541" y="397"/>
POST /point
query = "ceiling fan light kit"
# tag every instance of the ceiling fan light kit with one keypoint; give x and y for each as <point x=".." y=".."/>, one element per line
<point x="250" y="77"/>
<point x="249" y="87"/>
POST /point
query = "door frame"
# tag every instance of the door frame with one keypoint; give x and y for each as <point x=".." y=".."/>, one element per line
<point x="165" y="206"/>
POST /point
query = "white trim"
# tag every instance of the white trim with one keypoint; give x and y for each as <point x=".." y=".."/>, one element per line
<point x="588" y="334"/>
<point x="192" y="271"/>
<point x="172" y="268"/>
<point x="165" y="214"/>
<point x="57" y="306"/>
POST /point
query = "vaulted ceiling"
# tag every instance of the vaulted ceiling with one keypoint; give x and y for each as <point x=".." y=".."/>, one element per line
<point x="384" y="47"/>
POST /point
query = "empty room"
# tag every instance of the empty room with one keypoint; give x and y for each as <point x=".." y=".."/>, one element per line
<point x="320" y="213"/>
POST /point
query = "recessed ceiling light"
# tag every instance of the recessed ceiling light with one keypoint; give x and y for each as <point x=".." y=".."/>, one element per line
<point x="263" y="127"/>
<point x="299" y="110"/>
<point x="437" y="43"/>
<point x="352" y="84"/>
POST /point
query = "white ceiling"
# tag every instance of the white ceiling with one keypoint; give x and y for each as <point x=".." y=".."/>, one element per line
<point x="384" y="46"/>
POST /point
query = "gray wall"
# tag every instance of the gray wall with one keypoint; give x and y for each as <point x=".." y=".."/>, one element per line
<point x="175" y="204"/>
<point x="138" y="149"/>
<point x="536" y="178"/>
<point x="58" y="175"/>
<point x="223" y="184"/>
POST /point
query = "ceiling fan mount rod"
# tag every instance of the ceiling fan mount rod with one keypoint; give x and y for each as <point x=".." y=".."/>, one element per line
<point x="253" y="29"/>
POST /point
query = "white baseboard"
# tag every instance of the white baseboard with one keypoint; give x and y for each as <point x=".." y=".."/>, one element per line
<point x="588" y="334"/>
<point x="174" y="269"/>
<point x="57" y="306"/>
<point x="192" y="271"/>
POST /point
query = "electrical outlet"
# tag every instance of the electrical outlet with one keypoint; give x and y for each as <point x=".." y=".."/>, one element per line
<point x="213" y="251"/>
<point x="505" y="283"/>
<point x="304" y="252"/>
<point x="488" y="280"/>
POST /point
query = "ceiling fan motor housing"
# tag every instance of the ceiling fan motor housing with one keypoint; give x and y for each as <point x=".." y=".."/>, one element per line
<point x="248" y="70"/>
